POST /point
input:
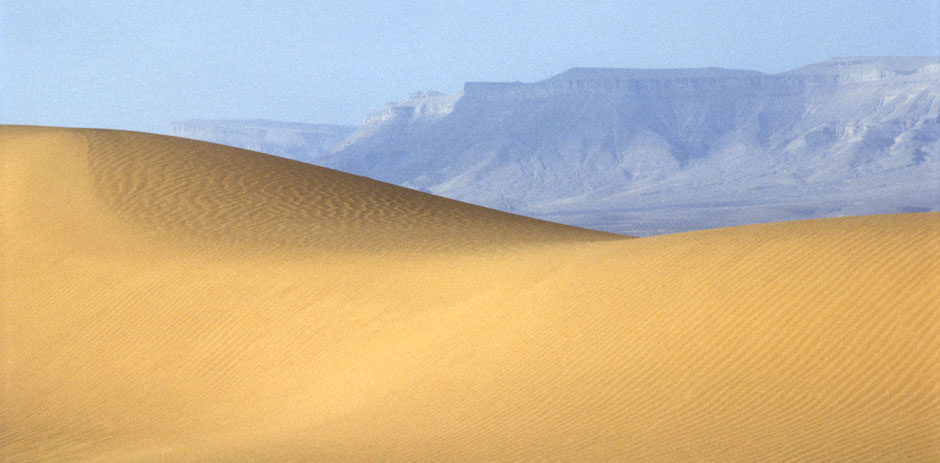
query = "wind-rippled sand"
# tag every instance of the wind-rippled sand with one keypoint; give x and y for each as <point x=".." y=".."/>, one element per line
<point x="171" y="300"/>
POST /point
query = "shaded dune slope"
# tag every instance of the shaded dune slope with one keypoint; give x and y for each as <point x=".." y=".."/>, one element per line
<point x="242" y="196"/>
<point x="171" y="300"/>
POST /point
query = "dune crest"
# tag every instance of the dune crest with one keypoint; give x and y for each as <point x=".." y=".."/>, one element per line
<point x="172" y="300"/>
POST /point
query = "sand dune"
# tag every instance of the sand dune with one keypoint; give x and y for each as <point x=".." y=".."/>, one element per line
<point x="172" y="300"/>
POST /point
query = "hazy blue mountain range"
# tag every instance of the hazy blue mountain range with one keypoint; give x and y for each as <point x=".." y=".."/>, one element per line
<point x="652" y="151"/>
<point x="303" y="142"/>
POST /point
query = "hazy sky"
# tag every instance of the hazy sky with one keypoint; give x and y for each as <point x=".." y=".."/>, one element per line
<point x="139" y="65"/>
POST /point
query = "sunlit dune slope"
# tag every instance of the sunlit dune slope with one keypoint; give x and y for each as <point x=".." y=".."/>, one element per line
<point x="171" y="300"/>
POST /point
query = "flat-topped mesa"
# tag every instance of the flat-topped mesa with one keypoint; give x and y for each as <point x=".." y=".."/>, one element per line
<point x="580" y="74"/>
<point x="588" y="81"/>
<point x="582" y="80"/>
<point x="596" y="146"/>
<point x="683" y="81"/>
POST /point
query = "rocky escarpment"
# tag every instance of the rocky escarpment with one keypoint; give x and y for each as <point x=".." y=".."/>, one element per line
<point x="420" y="109"/>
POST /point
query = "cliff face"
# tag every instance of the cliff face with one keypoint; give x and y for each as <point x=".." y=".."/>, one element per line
<point x="304" y="142"/>
<point x="651" y="151"/>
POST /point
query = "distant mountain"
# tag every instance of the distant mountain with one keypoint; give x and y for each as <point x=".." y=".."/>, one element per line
<point x="653" y="151"/>
<point x="304" y="142"/>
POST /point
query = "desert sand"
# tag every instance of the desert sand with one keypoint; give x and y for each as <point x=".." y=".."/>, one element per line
<point x="171" y="300"/>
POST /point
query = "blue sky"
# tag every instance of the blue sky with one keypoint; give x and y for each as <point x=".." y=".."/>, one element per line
<point x="139" y="65"/>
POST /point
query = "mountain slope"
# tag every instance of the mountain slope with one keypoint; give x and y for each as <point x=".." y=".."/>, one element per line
<point x="170" y="300"/>
<point x="651" y="151"/>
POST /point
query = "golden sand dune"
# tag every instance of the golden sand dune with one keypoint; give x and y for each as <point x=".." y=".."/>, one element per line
<point x="170" y="300"/>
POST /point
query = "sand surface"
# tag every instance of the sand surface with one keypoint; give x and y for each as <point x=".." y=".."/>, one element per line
<point x="171" y="300"/>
